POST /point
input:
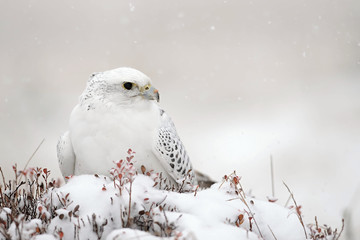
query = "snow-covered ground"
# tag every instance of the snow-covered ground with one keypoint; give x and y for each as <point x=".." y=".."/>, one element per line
<point x="130" y="207"/>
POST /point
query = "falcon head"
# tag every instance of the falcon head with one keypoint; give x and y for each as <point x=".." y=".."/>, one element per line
<point x="122" y="85"/>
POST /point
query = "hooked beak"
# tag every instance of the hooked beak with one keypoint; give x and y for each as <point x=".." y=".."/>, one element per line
<point x="151" y="94"/>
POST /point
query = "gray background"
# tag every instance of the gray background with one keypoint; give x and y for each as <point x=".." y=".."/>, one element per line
<point x="242" y="80"/>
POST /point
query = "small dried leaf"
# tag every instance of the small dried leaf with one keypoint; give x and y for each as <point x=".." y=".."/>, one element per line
<point x="143" y="169"/>
<point x="76" y="208"/>
<point x="298" y="210"/>
<point x="235" y="180"/>
<point x="272" y="199"/>
<point x="241" y="219"/>
<point x="61" y="216"/>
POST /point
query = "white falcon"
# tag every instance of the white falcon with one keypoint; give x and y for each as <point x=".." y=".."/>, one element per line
<point x="118" y="111"/>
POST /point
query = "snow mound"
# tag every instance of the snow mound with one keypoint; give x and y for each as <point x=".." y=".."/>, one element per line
<point x="128" y="205"/>
<point x="92" y="207"/>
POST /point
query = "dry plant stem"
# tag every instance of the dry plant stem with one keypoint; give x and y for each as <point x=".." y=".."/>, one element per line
<point x="272" y="176"/>
<point x="162" y="200"/>
<point x="272" y="232"/>
<point x="31" y="157"/>
<point x="16" y="189"/>
<point x="3" y="178"/>
<point x="242" y="191"/>
<point x="299" y="216"/>
<point x="60" y="200"/>
<point x="252" y="214"/>
<point x="342" y="229"/>
<point x="287" y="201"/>
<point x="5" y="234"/>
<point x="128" y="220"/>
<point x="18" y="231"/>
<point x="242" y="197"/>
<point x="1" y="197"/>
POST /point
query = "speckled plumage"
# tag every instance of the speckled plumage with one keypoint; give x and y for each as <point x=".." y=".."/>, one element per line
<point x="171" y="149"/>
<point x="110" y="119"/>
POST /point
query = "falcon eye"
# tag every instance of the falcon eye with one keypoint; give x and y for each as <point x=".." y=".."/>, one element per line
<point x="128" y="85"/>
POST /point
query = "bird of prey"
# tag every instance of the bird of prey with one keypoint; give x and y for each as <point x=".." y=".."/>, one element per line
<point x="119" y="111"/>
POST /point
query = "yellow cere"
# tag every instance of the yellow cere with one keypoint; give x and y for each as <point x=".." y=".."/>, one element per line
<point x="147" y="87"/>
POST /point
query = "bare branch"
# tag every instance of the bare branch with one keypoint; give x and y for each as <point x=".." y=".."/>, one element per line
<point x="297" y="207"/>
<point x="272" y="232"/>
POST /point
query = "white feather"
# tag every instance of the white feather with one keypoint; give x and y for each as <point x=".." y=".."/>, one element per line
<point x="109" y="120"/>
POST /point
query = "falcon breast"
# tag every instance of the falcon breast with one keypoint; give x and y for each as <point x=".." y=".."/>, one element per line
<point x="117" y="111"/>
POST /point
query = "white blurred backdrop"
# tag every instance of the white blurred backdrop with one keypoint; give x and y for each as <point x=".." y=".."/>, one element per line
<point x="242" y="80"/>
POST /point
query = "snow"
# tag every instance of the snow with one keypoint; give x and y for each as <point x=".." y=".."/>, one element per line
<point x="130" y="234"/>
<point x="27" y="230"/>
<point x="131" y="7"/>
<point x="96" y="203"/>
<point x="129" y="205"/>
<point x="45" y="237"/>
